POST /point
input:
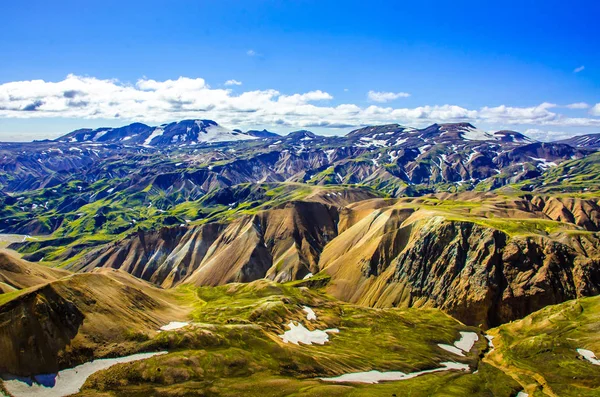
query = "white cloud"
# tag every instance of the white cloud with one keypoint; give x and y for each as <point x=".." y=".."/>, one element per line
<point x="153" y="101"/>
<point x="299" y="99"/>
<point x="233" y="82"/>
<point x="381" y="97"/>
<point x="251" y="53"/>
<point x="579" y="69"/>
<point x="547" y="136"/>
<point x="578" y="105"/>
<point x="519" y="115"/>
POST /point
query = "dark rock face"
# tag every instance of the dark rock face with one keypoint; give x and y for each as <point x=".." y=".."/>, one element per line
<point x="480" y="276"/>
<point x="34" y="330"/>
<point x="477" y="273"/>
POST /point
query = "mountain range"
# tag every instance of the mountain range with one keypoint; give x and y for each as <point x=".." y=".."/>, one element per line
<point x="395" y="159"/>
<point x="453" y="260"/>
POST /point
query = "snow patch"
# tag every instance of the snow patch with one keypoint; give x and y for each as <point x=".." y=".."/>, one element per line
<point x="400" y="141"/>
<point x="372" y="142"/>
<point x="376" y="376"/>
<point x="173" y="325"/>
<point x="216" y="133"/>
<point x="490" y="343"/>
<point x="589" y="355"/>
<point x="65" y="382"/>
<point x="99" y="135"/>
<point x="467" y="340"/>
<point x="423" y="148"/>
<point x="309" y="275"/>
<point x="543" y="163"/>
<point x="299" y="334"/>
<point x="463" y="345"/>
<point x="157" y="132"/>
<point x="474" y="134"/>
<point x="310" y="313"/>
<point x="451" y="349"/>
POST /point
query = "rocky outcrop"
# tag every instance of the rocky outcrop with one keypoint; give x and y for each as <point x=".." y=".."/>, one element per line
<point x="34" y="329"/>
<point x="76" y="319"/>
<point x="482" y="275"/>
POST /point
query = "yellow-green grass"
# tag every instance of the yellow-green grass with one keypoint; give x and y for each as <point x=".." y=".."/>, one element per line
<point x="541" y="350"/>
<point x="233" y="348"/>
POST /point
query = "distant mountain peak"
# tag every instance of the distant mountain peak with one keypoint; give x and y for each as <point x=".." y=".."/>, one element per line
<point x="262" y="134"/>
<point x="512" y="136"/>
<point x="588" y="141"/>
<point x="301" y="134"/>
<point x="184" y="132"/>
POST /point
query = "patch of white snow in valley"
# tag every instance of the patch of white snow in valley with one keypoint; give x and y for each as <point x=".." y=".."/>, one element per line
<point x="99" y="135"/>
<point x="472" y="155"/>
<point x="65" y="382"/>
<point x="543" y="163"/>
<point x="157" y="132"/>
<point x="522" y="394"/>
<point x="299" y="334"/>
<point x="589" y="355"/>
<point x="173" y="325"/>
<point x="371" y="142"/>
<point x="400" y="141"/>
<point x="310" y="313"/>
<point x="376" y="376"/>
<point x="467" y="340"/>
<point x="463" y="345"/>
<point x="490" y="343"/>
<point x="423" y="148"/>
<point x="309" y="275"/>
<point x="329" y="154"/>
<point x="451" y="349"/>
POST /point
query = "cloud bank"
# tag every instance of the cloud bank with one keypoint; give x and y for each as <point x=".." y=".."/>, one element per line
<point x="158" y="101"/>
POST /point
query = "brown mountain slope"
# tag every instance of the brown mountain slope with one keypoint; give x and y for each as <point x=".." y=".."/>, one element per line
<point x="16" y="273"/>
<point x="282" y="244"/>
<point x="482" y="258"/>
<point x="77" y="318"/>
<point x="164" y="257"/>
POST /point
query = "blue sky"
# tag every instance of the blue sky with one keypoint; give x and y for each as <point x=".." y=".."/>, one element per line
<point x="507" y="65"/>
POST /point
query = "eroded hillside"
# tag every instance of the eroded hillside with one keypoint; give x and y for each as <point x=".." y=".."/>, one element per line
<point x="485" y="259"/>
